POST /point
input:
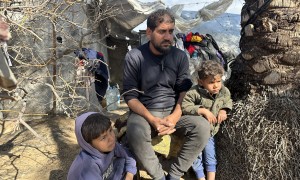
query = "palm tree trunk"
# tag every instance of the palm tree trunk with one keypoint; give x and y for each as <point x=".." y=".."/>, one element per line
<point x="260" y="139"/>
<point x="270" y="46"/>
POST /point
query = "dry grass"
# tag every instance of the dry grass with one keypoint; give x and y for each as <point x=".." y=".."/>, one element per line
<point x="261" y="139"/>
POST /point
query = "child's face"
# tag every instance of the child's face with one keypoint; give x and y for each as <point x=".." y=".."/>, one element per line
<point x="105" y="142"/>
<point x="212" y="83"/>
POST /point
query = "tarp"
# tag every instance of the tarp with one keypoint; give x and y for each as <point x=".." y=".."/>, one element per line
<point x="133" y="12"/>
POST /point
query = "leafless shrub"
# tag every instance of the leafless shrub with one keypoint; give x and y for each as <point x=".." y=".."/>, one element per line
<point x="45" y="67"/>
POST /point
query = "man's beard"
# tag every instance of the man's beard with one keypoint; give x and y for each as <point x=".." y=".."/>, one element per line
<point x="161" y="49"/>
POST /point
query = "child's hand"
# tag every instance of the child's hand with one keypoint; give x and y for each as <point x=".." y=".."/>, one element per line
<point x="211" y="118"/>
<point x="222" y="115"/>
<point x="129" y="176"/>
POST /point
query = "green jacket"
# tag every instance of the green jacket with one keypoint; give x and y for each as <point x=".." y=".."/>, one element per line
<point x="198" y="97"/>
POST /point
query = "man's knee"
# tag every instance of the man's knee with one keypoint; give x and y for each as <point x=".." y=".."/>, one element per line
<point x="137" y="129"/>
<point x="202" y="127"/>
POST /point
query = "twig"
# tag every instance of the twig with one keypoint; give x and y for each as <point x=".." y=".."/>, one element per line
<point x="26" y="30"/>
<point x="20" y="120"/>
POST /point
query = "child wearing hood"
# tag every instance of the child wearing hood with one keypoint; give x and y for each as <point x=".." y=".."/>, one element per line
<point x="101" y="157"/>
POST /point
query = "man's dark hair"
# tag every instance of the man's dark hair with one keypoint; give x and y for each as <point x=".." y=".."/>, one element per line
<point x="158" y="17"/>
<point x="94" y="125"/>
<point x="210" y="68"/>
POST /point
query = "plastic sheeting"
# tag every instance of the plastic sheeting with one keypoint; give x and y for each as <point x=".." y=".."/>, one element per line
<point x="134" y="12"/>
<point x="207" y="13"/>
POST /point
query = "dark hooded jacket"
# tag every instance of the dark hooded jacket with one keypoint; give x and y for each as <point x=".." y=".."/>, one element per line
<point x="91" y="164"/>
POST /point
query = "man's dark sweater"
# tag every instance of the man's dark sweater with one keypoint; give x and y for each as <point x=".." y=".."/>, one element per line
<point x="161" y="78"/>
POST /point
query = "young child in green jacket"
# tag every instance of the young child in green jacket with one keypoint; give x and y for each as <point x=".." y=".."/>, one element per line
<point x="211" y="100"/>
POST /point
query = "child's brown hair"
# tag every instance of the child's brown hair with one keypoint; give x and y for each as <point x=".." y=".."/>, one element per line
<point x="210" y="68"/>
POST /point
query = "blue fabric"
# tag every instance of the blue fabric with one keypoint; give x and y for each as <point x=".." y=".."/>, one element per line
<point x="99" y="69"/>
<point x="163" y="178"/>
<point x="206" y="160"/>
<point x="91" y="55"/>
<point x="101" y="72"/>
<point x="117" y="171"/>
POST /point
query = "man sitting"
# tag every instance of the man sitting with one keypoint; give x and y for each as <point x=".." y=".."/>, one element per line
<point x="161" y="72"/>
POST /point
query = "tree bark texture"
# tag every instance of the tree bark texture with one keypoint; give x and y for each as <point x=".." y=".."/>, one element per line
<point x="270" y="44"/>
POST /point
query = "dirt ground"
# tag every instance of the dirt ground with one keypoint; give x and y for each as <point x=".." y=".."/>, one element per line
<point x="25" y="157"/>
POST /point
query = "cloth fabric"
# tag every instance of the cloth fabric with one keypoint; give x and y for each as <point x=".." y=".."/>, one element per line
<point x="198" y="97"/>
<point x="91" y="164"/>
<point x="206" y="160"/>
<point x="101" y="72"/>
<point x="101" y="85"/>
<point x="167" y="145"/>
<point x="96" y="65"/>
<point x="7" y="78"/>
<point x="195" y="129"/>
<point x="92" y="55"/>
<point x="160" y="78"/>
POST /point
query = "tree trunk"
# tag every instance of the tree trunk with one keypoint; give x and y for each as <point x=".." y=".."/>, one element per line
<point x="270" y="46"/>
<point x="260" y="139"/>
